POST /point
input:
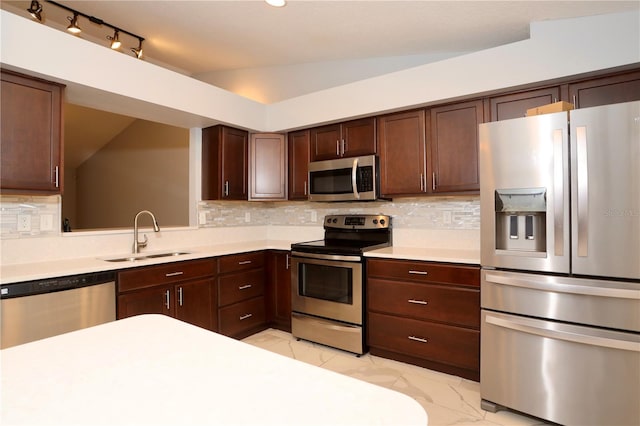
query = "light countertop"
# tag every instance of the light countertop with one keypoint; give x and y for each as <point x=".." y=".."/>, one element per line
<point x="153" y="369"/>
<point x="50" y="269"/>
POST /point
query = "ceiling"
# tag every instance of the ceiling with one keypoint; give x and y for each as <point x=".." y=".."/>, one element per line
<point x="200" y="37"/>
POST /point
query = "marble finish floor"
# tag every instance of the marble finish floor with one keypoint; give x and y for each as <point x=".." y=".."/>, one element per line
<point x="448" y="400"/>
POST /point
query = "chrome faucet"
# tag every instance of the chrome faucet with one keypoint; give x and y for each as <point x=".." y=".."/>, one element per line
<point x="138" y="244"/>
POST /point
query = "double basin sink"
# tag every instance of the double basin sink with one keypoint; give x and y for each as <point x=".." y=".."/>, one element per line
<point x="136" y="257"/>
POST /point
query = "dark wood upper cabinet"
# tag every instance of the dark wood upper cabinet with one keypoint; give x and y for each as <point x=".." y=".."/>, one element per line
<point x="349" y="139"/>
<point x="298" y="151"/>
<point x="224" y="163"/>
<point x="606" y="90"/>
<point x="515" y="105"/>
<point x="402" y="145"/>
<point x="267" y="166"/>
<point x="453" y="147"/>
<point x="31" y="135"/>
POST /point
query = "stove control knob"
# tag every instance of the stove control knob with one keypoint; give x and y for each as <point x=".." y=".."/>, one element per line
<point x="382" y="221"/>
<point x="335" y="220"/>
<point x="375" y="221"/>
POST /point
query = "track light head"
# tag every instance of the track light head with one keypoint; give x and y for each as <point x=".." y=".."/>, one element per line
<point x="73" y="27"/>
<point x="115" y="42"/>
<point x="35" y="10"/>
<point x="138" y="52"/>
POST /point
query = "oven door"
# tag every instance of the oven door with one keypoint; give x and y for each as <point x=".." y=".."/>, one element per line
<point x="327" y="286"/>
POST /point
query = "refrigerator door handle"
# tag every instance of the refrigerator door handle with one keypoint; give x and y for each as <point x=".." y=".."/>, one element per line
<point x="538" y="284"/>
<point x="583" y="191"/>
<point x="530" y="327"/>
<point x="558" y="193"/>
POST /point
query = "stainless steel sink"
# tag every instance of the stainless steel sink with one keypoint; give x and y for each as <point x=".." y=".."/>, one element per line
<point x="135" y="258"/>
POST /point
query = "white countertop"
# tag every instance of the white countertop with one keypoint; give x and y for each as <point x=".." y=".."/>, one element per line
<point x="50" y="269"/>
<point x="428" y="254"/>
<point x="152" y="369"/>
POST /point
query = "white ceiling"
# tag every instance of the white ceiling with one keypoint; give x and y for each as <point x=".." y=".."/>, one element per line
<point x="200" y="37"/>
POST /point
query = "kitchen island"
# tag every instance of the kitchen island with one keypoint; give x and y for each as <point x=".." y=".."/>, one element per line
<point x="152" y="369"/>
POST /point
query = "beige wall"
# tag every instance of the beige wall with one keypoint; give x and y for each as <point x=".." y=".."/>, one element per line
<point x="146" y="167"/>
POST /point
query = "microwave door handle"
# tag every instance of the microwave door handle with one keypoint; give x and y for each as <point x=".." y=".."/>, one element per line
<point x="354" y="185"/>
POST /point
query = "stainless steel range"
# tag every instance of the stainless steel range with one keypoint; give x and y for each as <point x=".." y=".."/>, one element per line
<point x="327" y="280"/>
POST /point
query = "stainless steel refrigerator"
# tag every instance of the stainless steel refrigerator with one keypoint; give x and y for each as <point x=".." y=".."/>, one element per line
<point x="560" y="251"/>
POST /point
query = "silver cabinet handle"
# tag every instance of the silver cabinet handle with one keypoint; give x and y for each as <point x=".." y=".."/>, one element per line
<point x="288" y="261"/>
<point x="418" y="272"/>
<point x="305" y="187"/>
<point x="418" y="302"/>
<point x="57" y="171"/>
<point x="338" y="148"/>
<point x="244" y="262"/>
<point x="433" y="181"/>
<point x="354" y="182"/>
<point x="226" y="188"/>
<point x="245" y="316"/>
<point x="583" y="191"/>
<point x="167" y="300"/>
<point x="180" y="296"/>
<point x="173" y="274"/>
<point x="421" y="182"/>
<point x="344" y="146"/>
<point x="418" y="339"/>
<point x="244" y="287"/>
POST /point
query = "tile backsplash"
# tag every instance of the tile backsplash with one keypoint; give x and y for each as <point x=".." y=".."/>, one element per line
<point x="459" y="212"/>
<point x="29" y="216"/>
<point x="40" y="216"/>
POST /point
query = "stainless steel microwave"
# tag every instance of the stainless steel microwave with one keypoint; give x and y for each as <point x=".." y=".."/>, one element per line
<point x="345" y="179"/>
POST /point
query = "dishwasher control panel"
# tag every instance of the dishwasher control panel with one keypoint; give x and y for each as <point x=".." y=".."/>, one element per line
<point x="50" y="285"/>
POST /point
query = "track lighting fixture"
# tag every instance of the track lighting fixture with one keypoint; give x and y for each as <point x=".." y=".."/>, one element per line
<point x="115" y="42"/>
<point x="35" y="10"/>
<point x="73" y="27"/>
<point x="138" y="51"/>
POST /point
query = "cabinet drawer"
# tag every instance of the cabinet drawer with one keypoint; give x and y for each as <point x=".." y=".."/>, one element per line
<point x="165" y="273"/>
<point x="455" y="305"/>
<point x="237" y="287"/>
<point x="424" y="272"/>
<point x="436" y="342"/>
<point x="241" y="262"/>
<point x="236" y="318"/>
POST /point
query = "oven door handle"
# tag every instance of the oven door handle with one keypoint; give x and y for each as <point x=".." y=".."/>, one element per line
<point x="354" y="180"/>
<point x="296" y="255"/>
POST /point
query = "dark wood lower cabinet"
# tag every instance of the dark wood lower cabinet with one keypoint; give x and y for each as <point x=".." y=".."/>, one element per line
<point x="279" y="290"/>
<point x="425" y="313"/>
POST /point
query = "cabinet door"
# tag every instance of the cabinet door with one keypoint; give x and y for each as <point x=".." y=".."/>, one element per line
<point x="298" y="165"/>
<point x="325" y="142"/>
<point x="454" y="147"/>
<point x="193" y="302"/>
<point x="234" y="164"/>
<point x="606" y="90"/>
<point x="359" y="137"/>
<point x="515" y="105"/>
<point x="268" y="167"/>
<point x="278" y="293"/>
<point x="30" y="145"/>
<point x="401" y="141"/>
<point x="155" y="300"/>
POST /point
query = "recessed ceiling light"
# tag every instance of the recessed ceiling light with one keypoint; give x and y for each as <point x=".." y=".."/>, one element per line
<point x="276" y="3"/>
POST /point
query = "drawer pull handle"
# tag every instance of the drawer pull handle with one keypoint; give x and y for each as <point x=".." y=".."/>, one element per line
<point x="418" y="339"/>
<point x="244" y="317"/>
<point x="173" y="274"/>
<point x="244" y="262"/>
<point x="167" y="300"/>
<point x="244" y="287"/>
<point x="418" y="302"/>
<point x="418" y="272"/>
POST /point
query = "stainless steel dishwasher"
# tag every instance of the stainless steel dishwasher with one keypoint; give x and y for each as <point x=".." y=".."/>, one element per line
<point x="34" y="310"/>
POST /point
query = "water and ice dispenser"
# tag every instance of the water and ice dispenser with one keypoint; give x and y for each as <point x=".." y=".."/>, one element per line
<point x="521" y="219"/>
